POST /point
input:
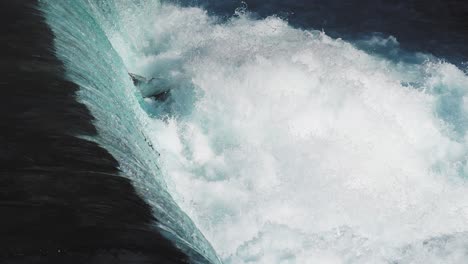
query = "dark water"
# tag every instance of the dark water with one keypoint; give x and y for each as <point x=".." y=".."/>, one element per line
<point x="61" y="199"/>
<point x="438" y="27"/>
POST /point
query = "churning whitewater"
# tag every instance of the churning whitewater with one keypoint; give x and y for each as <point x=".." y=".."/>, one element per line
<point x="282" y="145"/>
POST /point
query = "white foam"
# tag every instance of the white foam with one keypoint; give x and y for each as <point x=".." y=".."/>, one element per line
<point x="299" y="148"/>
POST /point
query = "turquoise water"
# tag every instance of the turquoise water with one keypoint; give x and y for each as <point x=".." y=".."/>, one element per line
<point x="106" y="89"/>
<point x="276" y="144"/>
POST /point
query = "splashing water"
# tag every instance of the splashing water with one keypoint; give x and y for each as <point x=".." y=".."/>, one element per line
<point x="298" y="148"/>
<point x="287" y="146"/>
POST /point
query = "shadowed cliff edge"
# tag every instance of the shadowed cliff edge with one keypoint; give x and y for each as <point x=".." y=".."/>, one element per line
<point x="61" y="199"/>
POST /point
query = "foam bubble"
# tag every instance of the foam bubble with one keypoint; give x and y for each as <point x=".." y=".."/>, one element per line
<point x="286" y="146"/>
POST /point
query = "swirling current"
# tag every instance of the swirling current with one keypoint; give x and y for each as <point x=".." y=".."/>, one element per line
<point x="274" y="143"/>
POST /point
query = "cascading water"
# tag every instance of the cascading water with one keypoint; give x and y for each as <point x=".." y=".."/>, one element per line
<point x="106" y="89"/>
<point x="282" y="145"/>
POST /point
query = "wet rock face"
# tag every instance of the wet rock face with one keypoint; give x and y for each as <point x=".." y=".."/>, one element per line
<point x="137" y="79"/>
<point x="156" y="88"/>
